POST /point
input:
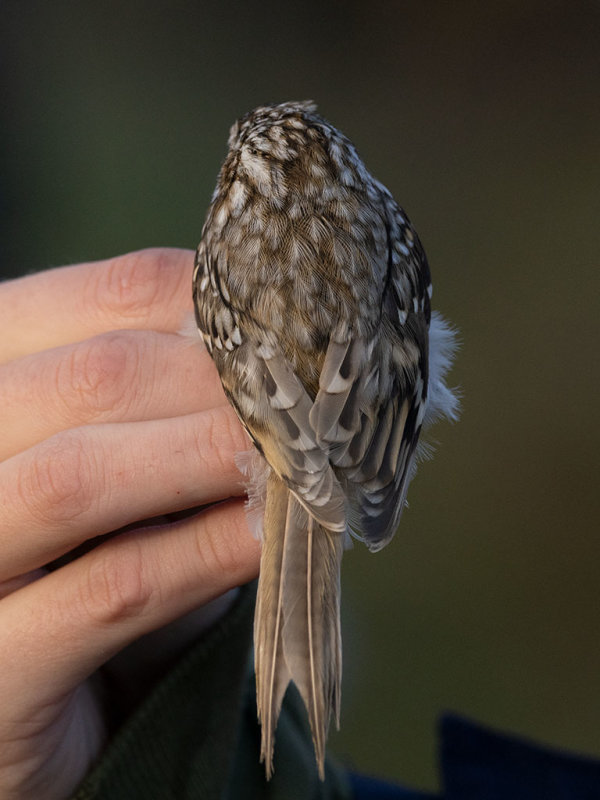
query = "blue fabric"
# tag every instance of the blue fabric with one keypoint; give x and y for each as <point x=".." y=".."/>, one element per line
<point x="479" y="764"/>
<point x="366" y="788"/>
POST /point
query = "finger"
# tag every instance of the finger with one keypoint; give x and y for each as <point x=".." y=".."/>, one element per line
<point x="80" y="616"/>
<point x="148" y="289"/>
<point x="92" y="480"/>
<point x="116" y="376"/>
<point x="11" y="585"/>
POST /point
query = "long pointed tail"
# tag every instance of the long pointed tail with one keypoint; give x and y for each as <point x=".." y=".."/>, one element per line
<point x="297" y="620"/>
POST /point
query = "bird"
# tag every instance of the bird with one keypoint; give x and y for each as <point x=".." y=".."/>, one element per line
<point x="312" y="294"/>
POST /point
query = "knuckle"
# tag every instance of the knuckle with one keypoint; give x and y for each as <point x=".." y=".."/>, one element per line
<point x="114" y="589"/>
<point x="97" y="374"/>
<point x="56" y="483"/>
<point x="218" y="546"/>
<point x="224" y="437"/>
<point x="130" y="285"/>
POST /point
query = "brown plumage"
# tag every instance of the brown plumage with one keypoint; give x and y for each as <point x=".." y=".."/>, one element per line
<point x="312" y="294"/>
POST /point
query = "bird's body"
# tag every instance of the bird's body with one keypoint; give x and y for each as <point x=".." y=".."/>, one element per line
<point x="312" y="294"/>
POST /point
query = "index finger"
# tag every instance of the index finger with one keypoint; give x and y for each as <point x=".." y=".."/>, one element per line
<point x="148" y="289"/>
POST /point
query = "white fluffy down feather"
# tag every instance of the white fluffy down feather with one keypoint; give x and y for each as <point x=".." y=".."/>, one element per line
<point x="441" y="401"/>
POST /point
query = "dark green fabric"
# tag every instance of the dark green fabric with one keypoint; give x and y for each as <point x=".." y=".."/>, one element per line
<point x="295" y="776"/>
<point x="195" y="737"/>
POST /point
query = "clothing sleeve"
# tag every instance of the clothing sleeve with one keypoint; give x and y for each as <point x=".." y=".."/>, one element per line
<point x="177" y="743"/>
<point x="196" y="735"/>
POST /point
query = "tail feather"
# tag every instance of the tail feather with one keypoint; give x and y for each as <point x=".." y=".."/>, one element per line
<point x="272" y="676"/>
<point x="297" y="621"/>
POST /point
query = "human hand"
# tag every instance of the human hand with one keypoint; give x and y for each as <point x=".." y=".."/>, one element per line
<point x="108" y="417"/>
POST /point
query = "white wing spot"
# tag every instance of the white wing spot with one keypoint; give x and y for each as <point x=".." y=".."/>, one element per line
<point x="221" y="217"/>
<point x="237" y="196"/>
<point x="236" y="336"/>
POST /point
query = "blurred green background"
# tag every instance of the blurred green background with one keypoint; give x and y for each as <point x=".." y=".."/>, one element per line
<point x="483" y="119"/>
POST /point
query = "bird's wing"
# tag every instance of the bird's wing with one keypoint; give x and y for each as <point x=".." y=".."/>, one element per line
<point x="269" y="398"/>
<point x="372" y="394"/>
<point x="367" y="417"/>
<point x="275" y="408"/>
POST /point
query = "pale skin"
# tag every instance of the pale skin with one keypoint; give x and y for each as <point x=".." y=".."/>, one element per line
<point x="108" y="417"/>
